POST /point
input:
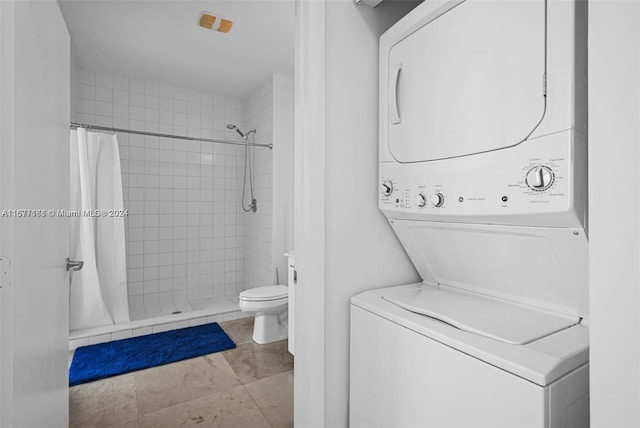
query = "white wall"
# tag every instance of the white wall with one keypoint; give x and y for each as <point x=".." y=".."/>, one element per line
<point x="359" y="249"/>
<point x="614" y="204"/>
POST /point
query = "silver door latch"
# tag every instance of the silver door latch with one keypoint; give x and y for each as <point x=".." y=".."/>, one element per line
<point x="74" y="265"/>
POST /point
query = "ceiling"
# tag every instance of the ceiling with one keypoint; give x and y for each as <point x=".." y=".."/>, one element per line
<point x="161" y="40"/>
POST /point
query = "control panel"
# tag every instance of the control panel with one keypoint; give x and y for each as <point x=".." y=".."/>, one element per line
<point x="515" y="181"/>
<point x="527" y="186"/>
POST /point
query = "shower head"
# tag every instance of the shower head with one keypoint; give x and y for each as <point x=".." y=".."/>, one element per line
<point x="231" y="126"/>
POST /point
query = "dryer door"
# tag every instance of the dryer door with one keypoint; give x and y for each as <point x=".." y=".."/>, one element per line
<point x="467" y="82"/>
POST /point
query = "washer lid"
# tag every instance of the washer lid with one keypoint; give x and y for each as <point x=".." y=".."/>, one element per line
<point x="270" y="292"/>
<point x="507" y="322"/>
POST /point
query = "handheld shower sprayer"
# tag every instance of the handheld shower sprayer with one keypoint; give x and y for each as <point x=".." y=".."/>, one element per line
<point x="253" y="206"/>
<point x="231" y="126"/>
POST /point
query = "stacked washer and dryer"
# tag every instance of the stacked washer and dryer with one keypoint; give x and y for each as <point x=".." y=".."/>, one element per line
<point x="483" y="177"/>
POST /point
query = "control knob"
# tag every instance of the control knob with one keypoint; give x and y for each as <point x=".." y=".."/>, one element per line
<point x="437" y="200"/>
<point x="421" y="200"/>
<point x="387" y="187"/>
<point x="540" y="178"/>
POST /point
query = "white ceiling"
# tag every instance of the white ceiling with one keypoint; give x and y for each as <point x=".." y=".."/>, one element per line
<point x="161" y="40"/>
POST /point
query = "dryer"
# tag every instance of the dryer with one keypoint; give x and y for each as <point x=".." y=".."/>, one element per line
<point x="483" y="177"/>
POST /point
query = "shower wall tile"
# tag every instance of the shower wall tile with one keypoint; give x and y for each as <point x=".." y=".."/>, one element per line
<point x="94" y="340"/>
<point x="104" y="80"/>
<point x="120" y="83"/>
<point x="123" y="334"/>
<point x="183" y="197"/>
<point x="142" y="331"/>
<point x="86" y="77"/>
<point x="258" y="230"/>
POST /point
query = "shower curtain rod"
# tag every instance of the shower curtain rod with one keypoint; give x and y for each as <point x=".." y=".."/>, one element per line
<point x="75" y="125"/>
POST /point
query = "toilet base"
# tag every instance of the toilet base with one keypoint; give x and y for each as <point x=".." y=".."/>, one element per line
<point x="270" y="328"/>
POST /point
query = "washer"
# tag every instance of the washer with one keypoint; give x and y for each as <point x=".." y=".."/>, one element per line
<point x="483" y="178"/>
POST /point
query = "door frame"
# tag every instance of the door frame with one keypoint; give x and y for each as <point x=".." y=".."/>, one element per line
<point x="309" y="173"/>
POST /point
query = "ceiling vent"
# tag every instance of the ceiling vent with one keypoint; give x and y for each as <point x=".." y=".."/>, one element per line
<point x="218" y="23"/>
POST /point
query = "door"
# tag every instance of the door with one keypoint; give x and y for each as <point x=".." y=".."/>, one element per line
<point x="34" y="156"/>
<point x="470" y="81"/>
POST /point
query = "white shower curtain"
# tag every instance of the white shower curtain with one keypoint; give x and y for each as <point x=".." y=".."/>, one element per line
<point x="99" y="289"/>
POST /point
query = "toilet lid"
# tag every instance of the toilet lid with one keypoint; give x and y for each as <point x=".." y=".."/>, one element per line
<point x="270" y="292"/>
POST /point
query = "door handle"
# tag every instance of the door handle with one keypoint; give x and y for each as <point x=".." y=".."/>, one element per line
<point x="395" y="91"/>
<point x="74" y="265"/>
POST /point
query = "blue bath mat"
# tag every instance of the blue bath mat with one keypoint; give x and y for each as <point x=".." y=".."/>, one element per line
<point x="95" y="362"/>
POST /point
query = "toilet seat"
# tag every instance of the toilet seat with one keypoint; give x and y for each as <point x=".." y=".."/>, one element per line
<point x="265" y="294"/>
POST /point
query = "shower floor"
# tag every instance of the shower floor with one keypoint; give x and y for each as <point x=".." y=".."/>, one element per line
<point x="170" y="305"/>
<point x="161" y="316"/>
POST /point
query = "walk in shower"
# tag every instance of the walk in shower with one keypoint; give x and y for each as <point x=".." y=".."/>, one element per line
<point x="192" y="242"/>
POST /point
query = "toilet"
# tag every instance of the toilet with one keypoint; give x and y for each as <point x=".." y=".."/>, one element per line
<point x="269" y="306"/>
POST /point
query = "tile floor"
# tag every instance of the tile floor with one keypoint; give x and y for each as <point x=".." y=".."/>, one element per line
<point x="249" y="386"/>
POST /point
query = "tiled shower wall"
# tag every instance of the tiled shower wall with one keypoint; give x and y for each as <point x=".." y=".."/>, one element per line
<point x="258" y="227"/>
<point x="184" y="232"/>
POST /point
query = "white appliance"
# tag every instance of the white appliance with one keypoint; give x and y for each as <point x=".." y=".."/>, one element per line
<point x="483" y="178"/>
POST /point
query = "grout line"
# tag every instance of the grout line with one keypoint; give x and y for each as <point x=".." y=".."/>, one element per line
<point x="256" y="403"/>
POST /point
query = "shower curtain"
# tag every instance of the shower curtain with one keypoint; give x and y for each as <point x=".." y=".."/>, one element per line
<point x="98" y="294"/>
